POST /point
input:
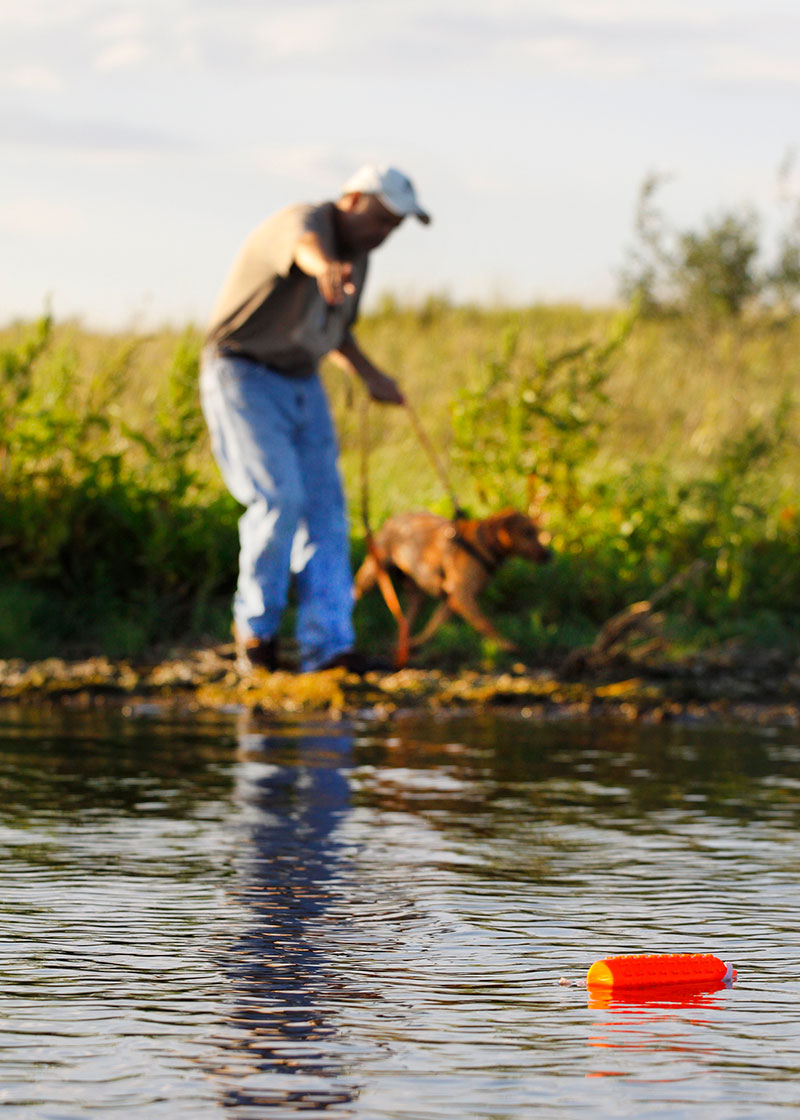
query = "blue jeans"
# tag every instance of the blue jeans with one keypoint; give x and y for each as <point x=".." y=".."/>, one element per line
<point x="275" y="445"/>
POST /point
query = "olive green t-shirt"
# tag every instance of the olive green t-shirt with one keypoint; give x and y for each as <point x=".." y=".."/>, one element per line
<point x="270" y="311"/>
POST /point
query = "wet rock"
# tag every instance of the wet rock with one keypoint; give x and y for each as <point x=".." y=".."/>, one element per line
<point x="724" y="684"/>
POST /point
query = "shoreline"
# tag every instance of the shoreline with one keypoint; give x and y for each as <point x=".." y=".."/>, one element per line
<point x="743" y="687"/>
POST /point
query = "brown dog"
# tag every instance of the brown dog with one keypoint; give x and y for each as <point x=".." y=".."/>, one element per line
<point x="451" y="561"/>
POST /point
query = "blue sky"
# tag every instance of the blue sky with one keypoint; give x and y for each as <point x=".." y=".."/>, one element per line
<point x="141" y="141"/>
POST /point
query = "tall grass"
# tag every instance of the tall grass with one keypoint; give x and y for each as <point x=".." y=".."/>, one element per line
<point x="644" y="444"/>
<point x="114" y="534"/>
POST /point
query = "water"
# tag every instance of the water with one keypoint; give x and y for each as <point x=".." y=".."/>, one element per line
<point x="212" y="918"/>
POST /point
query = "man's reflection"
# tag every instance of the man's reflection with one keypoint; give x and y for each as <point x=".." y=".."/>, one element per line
<point x="292" y="791"/>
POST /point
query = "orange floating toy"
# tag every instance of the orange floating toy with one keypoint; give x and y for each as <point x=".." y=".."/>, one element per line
<point x="652" y="969"/>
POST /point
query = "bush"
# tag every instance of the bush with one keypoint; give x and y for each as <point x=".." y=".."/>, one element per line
<point x="713" y="271"/>
<point x="540" y="431"/>
<point x="96" y="513"/>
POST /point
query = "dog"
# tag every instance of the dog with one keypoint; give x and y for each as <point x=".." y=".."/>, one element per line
<point x="451" y="561"/>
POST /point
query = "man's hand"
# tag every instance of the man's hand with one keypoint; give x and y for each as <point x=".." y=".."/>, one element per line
<point x="334" y="281"/>
<point x="333" y="277"/>
<point x="379" y="385"/>
<point x="382" y="388"/>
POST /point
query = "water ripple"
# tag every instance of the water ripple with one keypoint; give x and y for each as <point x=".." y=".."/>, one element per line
<point x="208" y="920"/>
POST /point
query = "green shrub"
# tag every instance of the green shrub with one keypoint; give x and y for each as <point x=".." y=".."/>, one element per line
<point x="715" y="270"/>
<point x="101" y="516"/>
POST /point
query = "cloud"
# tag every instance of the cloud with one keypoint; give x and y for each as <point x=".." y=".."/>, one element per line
<point x="313" y="38"/>
<point x="43" y="79"/>
<point x="574" y="55"/>
<point x="35" y="14"/>
<point x="635" y="13"/>
<point x="121" y="25"/>
<point x="305" y="163"/>
<point x="123" y="36"/>
<point x="738" y="64"/>
<point x="122" y="55"/>
<point x="26" y="128"/>
<point x="37" y="217"/>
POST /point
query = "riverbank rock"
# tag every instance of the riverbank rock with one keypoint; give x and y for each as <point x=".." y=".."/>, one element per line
<point x="732" y="684"/>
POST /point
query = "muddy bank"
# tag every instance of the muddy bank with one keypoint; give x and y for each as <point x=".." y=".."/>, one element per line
<point x="730" y="685"/>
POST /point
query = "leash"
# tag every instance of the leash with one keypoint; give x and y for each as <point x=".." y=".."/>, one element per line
<point x="459" y="513"/>
<point x="383" y="578"/>
<point x="489" y="563"/>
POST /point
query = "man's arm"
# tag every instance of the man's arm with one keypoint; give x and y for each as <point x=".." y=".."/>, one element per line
<point x="332" y="276"/>
<point x="333" y="280"/>
<point x="350" y="357"/>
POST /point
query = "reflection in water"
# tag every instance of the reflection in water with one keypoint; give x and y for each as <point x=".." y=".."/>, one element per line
<point x="114" y="847"/>
<point x="372" y="922"/>
<point x="672" y="996"/>
<point x="292" y="792"/>
<point x="656" y="1022"/>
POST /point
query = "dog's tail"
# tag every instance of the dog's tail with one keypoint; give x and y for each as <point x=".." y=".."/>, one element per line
<point x="373" y="571"/>
<point x="366" y="577"/>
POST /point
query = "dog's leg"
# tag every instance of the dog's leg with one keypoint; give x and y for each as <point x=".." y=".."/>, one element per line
<point x="414" y="598"/>
<point x="471" y="613"/>
<point x="440" y="615"/>
<point x="365" y="577"/>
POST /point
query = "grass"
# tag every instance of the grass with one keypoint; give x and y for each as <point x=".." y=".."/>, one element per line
<point x="644" y="444"/>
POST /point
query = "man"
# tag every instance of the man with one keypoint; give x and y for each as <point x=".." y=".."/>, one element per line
<point x="292" y="297"/>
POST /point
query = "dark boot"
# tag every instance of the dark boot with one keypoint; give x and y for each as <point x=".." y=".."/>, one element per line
<point x="255" y="653"/>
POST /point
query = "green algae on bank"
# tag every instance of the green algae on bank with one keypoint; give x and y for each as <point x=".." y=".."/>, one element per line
<point x="749" y="690"/>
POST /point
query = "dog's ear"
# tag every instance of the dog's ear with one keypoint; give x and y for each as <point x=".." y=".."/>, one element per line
<point x="504" y="538"/>
<point x="515" y="522"/>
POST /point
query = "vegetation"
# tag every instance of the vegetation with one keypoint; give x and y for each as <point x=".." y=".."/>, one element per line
<point x="646" y="448"/>
<point x="650" y="443"/>
<point x="113" y="532"/>
<point x="718" y="270"/>
<point x="643" y="444"/>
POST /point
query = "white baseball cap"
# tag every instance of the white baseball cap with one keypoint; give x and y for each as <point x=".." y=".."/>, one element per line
<point x="390" y="186"/>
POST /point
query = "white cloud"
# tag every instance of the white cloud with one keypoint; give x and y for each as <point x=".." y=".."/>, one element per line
<point x="121" y="55"/>
<point x="37" y="217"/>
<point x="122" y="25"/>
<point x="607" y="37"/>
<point x="77" y="136"/>
<point x="739" y="64"/>
<point x="570" y="54"/>
<point x="42" y="13"/>
<point x="637" y="12"/>
<point x="298" y="32"/>
<point x="34" y="77"/>
<point x="305" y="163"/>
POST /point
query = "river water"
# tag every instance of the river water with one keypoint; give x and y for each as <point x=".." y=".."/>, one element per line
<point x="211" y="917"/>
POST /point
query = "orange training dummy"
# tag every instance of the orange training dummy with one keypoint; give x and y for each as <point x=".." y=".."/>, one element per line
<point x="649" y="970"/>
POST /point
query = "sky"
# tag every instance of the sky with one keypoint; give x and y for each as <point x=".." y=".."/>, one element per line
<point x="141" y="141"/>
